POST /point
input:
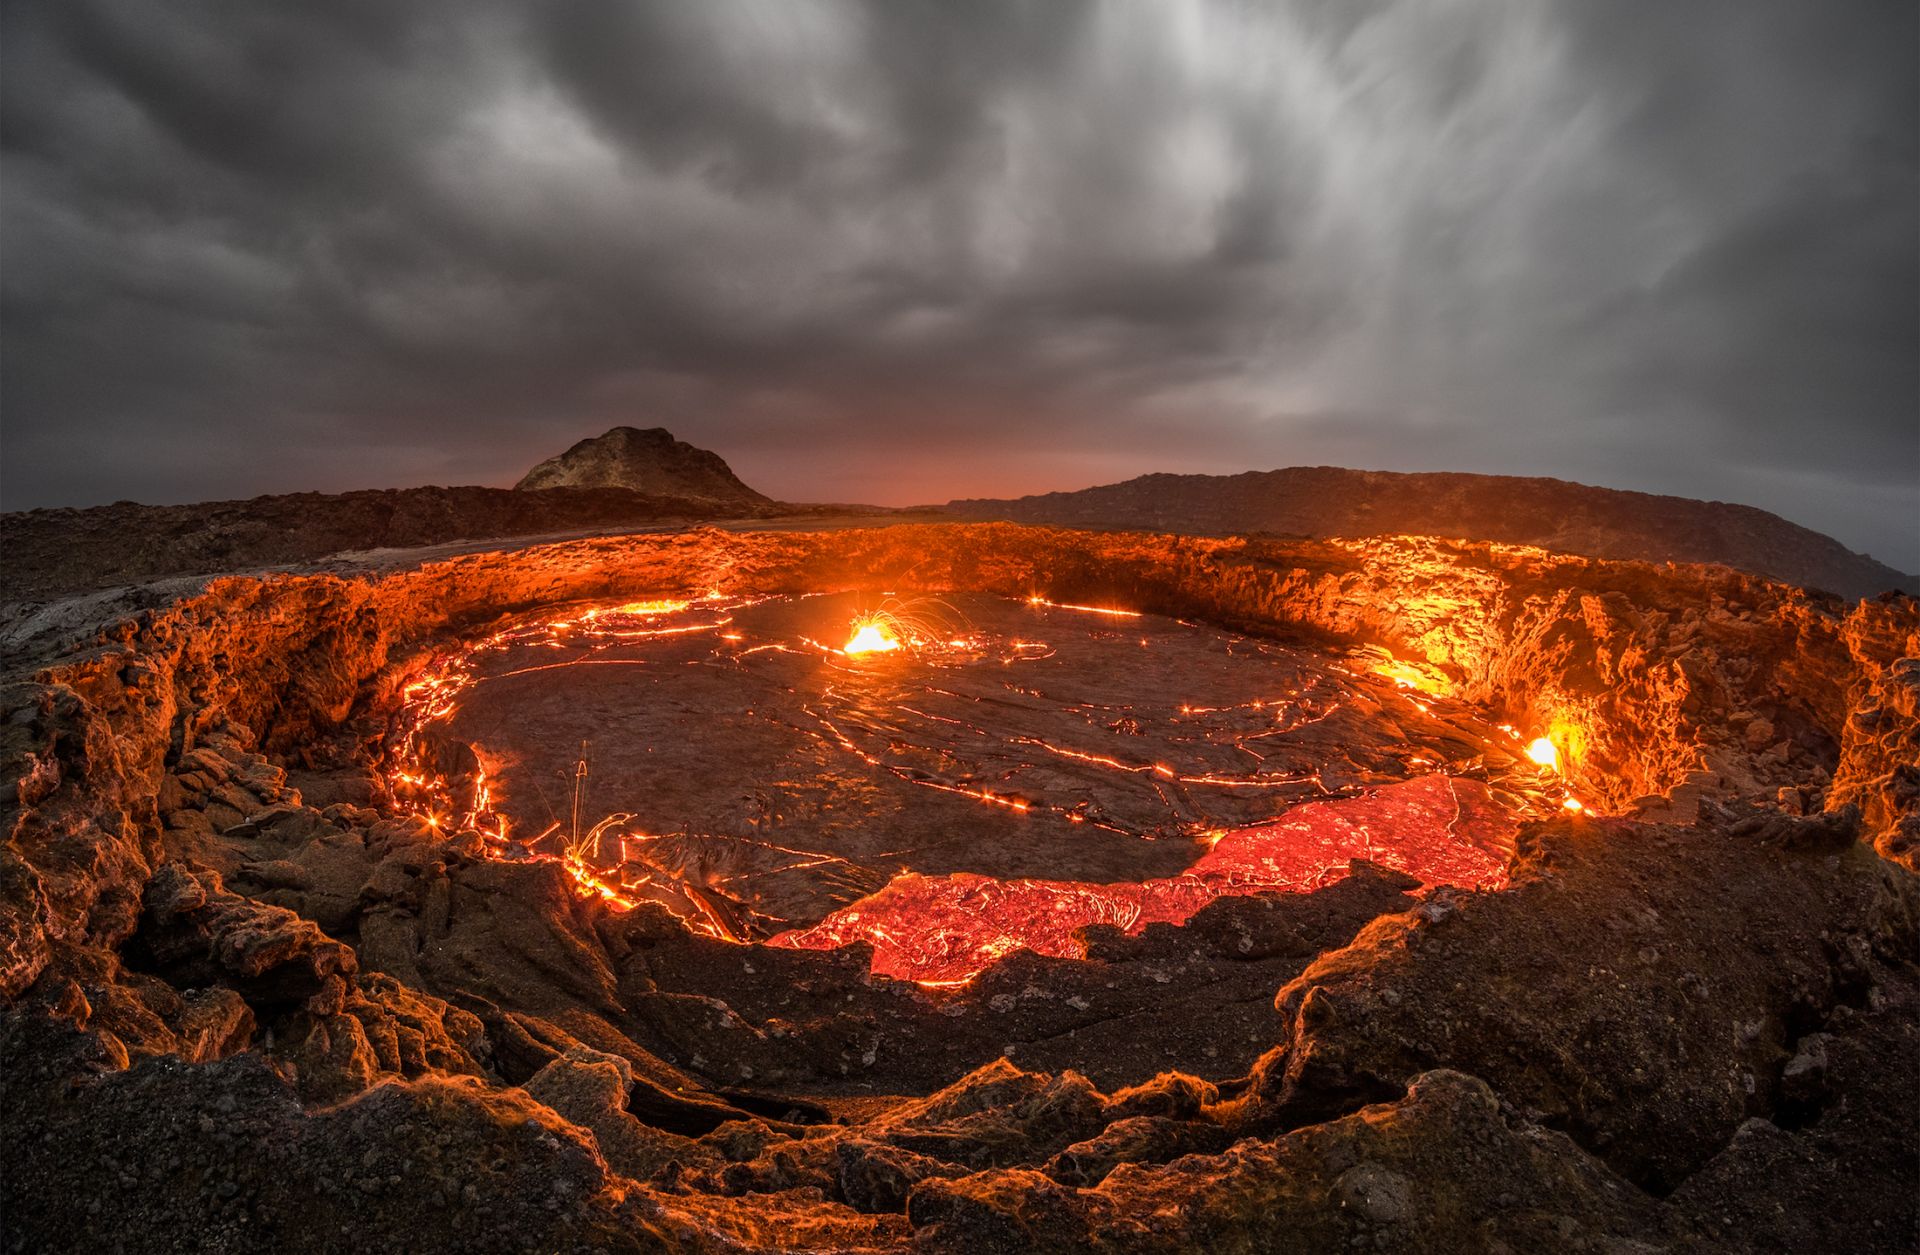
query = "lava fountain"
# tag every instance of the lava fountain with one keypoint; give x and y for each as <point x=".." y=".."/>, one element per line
<point x="870" y="637"/>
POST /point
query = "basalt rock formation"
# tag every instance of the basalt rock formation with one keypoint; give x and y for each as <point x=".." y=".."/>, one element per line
<point x="649" y="461"/>
<point x="244" y="1001"/>
<point x="1551" y="513"/>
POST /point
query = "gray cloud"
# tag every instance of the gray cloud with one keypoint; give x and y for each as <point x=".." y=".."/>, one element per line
<point x="906" y="251"/>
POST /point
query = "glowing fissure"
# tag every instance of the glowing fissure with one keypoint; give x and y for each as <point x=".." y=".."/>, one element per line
<point x="1111" y="611"/>
<point x="452" y="802"/>
<point x="942" y="930"/>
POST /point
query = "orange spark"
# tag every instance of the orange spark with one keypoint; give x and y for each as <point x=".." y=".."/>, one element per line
<point x="1038" y="600"/>
<point x="657" y="605"/>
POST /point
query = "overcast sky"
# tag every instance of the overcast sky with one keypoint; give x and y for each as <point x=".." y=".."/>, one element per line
<point x="900" y="252"/>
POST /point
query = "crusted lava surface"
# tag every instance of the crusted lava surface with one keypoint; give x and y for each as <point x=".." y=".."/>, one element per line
<point x="964" y="777"/>
<point x="1241" y="920"/>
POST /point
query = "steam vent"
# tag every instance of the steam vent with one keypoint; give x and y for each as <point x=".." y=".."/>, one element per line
<point x="961" y="887"/>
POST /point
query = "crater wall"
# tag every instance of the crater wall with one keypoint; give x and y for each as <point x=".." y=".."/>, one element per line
<point x="1650" y="677"/>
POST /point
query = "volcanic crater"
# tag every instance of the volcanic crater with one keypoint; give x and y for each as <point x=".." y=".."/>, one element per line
<point x="967" y="887"/>
<point x="959" y="777"/>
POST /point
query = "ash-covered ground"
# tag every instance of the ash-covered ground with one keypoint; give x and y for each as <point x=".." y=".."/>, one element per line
<point x="275" y="975"/>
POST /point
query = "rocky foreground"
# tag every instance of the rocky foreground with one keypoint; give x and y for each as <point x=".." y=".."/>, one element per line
<point x="247" y="1005"/>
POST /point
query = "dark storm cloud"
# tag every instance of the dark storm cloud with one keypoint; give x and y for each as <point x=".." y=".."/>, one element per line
<point x="905" y="251"/>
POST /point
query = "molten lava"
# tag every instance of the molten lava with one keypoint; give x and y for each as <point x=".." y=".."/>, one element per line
<point x="945" y="930"/>
<point x="871" y="637"/>
<point x="1413" y="675"/>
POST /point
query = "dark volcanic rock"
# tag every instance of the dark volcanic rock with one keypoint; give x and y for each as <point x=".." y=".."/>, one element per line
<point x="649" y="461"/>
<point x="876" y="1177"/>
<point x="1551" y="513"/>
<point x="1792" y="1182"/>
<point x="1370" y="1180"/>
<point x="1720" y="949"/>
<point x="172" y="1157"/>
<point x="1136" y="1139"/>
<point x="196" y="932"/>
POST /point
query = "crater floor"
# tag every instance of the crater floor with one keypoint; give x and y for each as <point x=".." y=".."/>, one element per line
<point x="747" y="764"/>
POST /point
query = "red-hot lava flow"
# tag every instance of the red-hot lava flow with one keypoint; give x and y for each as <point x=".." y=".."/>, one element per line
<point x="1263" y="794"/>
<point x="947" y="929"/>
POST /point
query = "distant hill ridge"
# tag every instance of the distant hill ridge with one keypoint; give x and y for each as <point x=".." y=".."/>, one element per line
<point x="649" y="461"/>
<point x="1550" y="513"/>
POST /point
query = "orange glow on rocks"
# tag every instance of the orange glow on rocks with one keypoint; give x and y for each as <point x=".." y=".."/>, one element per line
<point x="1544" y="753"/>
<point x="1412" y="675"/>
